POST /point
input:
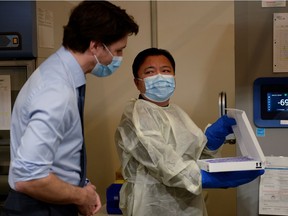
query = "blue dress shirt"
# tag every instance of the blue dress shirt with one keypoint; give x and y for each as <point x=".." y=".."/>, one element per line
<point x="46" y="134"/>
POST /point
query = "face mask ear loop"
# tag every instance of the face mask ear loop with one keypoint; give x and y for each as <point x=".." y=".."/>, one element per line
<point x="140" y="79"/>
<point x="96" y="59"/>
<point x="108" y="50"/>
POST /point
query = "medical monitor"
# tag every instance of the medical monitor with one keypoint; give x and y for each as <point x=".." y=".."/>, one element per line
<point x="270" y="100"/>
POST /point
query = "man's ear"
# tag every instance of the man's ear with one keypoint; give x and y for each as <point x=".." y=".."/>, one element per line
<point x="136" y="82"/>
<point x="94" y="46"/>
<point x="139" y="84"/>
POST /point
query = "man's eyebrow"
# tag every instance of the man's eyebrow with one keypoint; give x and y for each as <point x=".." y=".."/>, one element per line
<point x="122" y="47"/>
<point x="150" y="67"/>
<point x="166" y="66"/>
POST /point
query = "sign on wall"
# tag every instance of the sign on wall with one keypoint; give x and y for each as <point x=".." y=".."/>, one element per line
<point x="280" y="42"/>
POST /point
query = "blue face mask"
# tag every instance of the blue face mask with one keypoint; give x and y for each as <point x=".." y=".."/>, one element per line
<point x="159" y="88"/>
<point x="101" y="70"/>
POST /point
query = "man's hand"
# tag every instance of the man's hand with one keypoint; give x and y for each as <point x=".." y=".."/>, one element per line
<point x="217" y="132"/>
<point x="229" y="179"/>
<point x="92" y="203"/>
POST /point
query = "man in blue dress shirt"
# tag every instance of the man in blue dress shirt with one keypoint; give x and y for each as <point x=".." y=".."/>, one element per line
<point x="46" y="171"/>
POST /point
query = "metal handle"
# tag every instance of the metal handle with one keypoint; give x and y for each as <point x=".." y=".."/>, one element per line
<point x="222" y="103"/>
<point x="222" y="111"/>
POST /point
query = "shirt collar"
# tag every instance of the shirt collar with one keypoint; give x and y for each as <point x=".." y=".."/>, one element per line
<point x="72" y="66"/>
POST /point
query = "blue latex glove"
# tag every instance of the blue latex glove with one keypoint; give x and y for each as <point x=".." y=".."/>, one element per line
<point x="228" y="179"/>
<point x="217" y="132"/>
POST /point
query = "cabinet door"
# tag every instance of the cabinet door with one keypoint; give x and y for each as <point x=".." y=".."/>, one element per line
<point x="13" y="75"/>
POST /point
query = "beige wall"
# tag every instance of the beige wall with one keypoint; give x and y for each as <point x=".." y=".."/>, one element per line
<point x="60" y="12"/>
<point x="106" y="98"/>
<point x="200" y="35"/>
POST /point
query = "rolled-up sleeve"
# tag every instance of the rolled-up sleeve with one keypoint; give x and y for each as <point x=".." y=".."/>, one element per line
<point x="45" y="130"/>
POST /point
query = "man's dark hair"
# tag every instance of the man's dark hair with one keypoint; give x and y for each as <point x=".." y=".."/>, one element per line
<point x="99" y="21"/>
<point x="141" y="57"/>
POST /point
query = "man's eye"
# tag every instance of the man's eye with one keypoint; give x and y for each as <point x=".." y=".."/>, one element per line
<point x="166" y="71"/>
<point x="119" y="52"/>
<point x="149" y="72"/>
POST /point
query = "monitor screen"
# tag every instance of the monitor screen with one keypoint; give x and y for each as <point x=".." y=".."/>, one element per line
<point x="274" y="103"/>
<point x="270" y="102"/>
<point x="277" y="101"/>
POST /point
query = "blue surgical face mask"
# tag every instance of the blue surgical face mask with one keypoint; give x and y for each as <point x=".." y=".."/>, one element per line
<point x="159" y="88"/>
<point x="101" y="70"/>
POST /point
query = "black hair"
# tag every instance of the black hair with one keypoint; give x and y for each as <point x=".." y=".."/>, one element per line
<point x="99" y="21"/>
<point x="141" y="57"/>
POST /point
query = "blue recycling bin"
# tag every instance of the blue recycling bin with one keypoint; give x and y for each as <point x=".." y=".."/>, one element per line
<point x="113" y="198"/>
